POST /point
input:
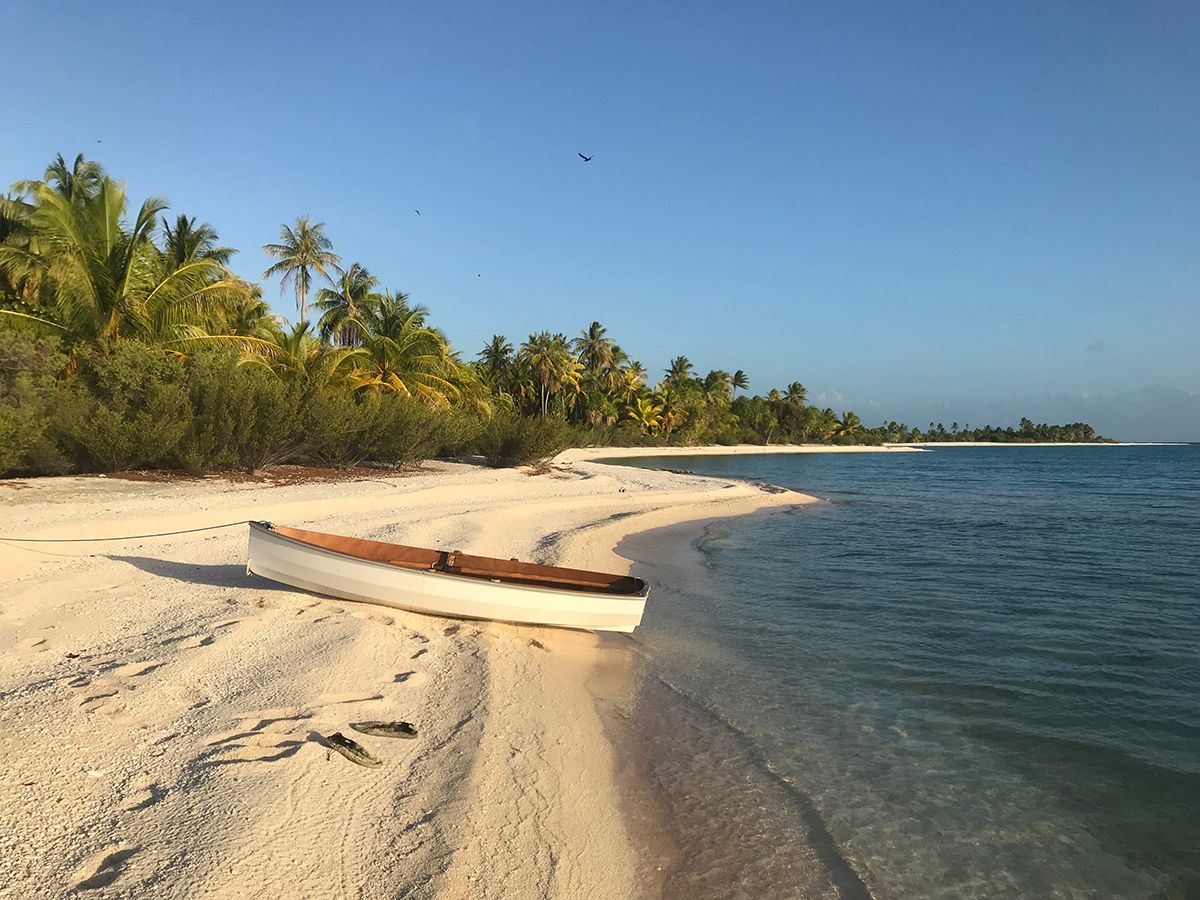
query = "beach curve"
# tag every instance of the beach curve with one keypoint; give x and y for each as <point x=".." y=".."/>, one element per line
<point x="175" y="707"/>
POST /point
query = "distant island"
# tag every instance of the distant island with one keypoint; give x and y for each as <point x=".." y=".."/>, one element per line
<point x="126" y="342"/>
<point x="1026" y="432"/>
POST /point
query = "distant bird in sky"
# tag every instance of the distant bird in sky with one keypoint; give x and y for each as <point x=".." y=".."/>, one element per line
<point x="585" y="158"/>
<point x="417" y="211"/>
<point x="98" y="141"/>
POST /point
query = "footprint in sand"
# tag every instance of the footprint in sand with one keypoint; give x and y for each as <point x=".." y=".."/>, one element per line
<point x="262" y="736"/>
<point x="136" y="669"/>
<point x="366" y="615"/>
<point x="146" y="792"/>
<point x="259" y="748"/>
<point x="278" y="720"/>
<point x="104" y="868"/>
<point x="419" y="653"/>
<point x="98" y="693"/>
<point x="411" y="679"/>
<point x="35" y="643"/>
<point x="451" y="629"/>
<point x="196" y="640"/>
<point x="95" y="701"/>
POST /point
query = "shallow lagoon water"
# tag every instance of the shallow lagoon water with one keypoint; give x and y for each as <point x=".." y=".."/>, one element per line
<point x="976" y="670"/>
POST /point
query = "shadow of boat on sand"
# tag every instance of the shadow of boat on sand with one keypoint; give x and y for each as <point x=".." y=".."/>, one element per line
<point x="224" y="575"/>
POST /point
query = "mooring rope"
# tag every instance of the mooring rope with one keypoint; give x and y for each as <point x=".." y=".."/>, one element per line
<point x="124" y="537"/>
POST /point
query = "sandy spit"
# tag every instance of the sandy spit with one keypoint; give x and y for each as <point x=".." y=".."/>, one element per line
<point x="593" y="453"/>
<point x="162" y="714"/>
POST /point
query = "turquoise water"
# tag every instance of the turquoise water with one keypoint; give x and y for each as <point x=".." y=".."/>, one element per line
<point x="978" y="669"/>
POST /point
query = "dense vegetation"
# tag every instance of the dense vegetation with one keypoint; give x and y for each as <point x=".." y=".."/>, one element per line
<point x="126" y="342"/>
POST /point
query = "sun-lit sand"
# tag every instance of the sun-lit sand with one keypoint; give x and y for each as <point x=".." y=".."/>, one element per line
<point x="162" y="713"/>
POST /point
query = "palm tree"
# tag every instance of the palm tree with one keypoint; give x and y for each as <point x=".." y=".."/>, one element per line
<point x="496" y="357"/>
<point x="186" y="242"/>
<point x="16" y="233"/>
<point x="674" y="411"/>
<point x="849" y="426"/>
<point x="250" y="316"/>
<point x="716" y="386"/>
<point x="646" y="413"/>
<point x="341" y="303"/>
<point x="596" y="351"/>
<point x="739" y="381"/>
<point x="554" y="368"/>
<point x="296" y="353"/>
<point x="403" y="354"/>
<point x="302" y="250"/>
<point x="105" y="281"/>
<point x="77" y="183"/>
<point x="679" y="369"/>
<point x="631" y="380"/>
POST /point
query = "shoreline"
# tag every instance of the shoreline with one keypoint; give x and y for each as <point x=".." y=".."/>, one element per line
<point x="700" y="795"/>
<point x="1042" y="444"/>
<point x="172" y="703"/>
<point x="596" y="454"/>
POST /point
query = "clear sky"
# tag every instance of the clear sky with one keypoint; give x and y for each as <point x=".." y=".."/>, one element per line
<point x="924" y="211"/>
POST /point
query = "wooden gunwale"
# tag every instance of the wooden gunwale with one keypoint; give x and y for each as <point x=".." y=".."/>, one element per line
<point x="478" y="568"/>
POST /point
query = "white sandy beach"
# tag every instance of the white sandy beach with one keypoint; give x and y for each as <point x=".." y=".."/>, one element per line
<point x="160" y="708"/>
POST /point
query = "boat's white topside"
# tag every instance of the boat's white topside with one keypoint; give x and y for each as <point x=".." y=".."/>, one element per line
<point x="324" y="571"/>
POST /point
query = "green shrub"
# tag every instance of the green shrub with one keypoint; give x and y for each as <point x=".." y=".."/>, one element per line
<point x="626" y="434"/>
<point x="248" y="417"/>
<point x="510" y="440"/>
<point x="461" y="429"/>
<point x="244" y="416"/>
<point x="337" y="429"/>
<point x="28" y="366"/>
<point x="17" y="425"/>
<point x="126" y="407"/>
<point x="269" y="428"/>
<point x="404" y="431"/>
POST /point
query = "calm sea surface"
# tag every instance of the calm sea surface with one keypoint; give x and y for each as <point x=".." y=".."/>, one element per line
<point x="975" y="670"/>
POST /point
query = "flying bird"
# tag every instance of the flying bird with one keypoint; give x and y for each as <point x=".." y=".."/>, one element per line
<point x="585" y="158"/>
<point x="417" y="211"/>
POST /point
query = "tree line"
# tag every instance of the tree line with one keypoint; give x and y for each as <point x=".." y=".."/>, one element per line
<point x="127" y="342"/>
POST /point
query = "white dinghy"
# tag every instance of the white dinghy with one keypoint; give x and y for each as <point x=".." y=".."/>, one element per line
<point x="445" y="583"/>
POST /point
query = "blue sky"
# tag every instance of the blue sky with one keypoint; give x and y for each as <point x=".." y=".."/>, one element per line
<point x="946" y="211"/>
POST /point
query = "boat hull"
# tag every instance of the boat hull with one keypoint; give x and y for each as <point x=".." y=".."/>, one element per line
<point x="292" y="562"/>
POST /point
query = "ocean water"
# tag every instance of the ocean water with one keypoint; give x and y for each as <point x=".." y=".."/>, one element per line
<point x="973" y="672"/>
